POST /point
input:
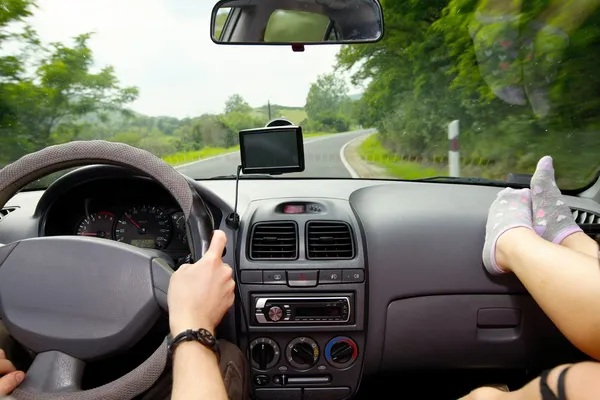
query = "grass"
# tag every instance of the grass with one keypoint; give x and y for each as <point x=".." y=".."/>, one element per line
<point x="206" y="152"/>
<point x="372" y="150"/>
<point x="190" y="156"/>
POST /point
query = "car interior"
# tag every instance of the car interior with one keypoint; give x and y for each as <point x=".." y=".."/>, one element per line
<point x="344" y="286"/>
<point x="341" y="282"/>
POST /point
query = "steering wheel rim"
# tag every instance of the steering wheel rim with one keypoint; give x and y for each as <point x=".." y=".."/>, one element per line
<point x="129" y="293"/>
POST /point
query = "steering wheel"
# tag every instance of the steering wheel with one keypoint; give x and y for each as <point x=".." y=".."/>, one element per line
<point x="74" y="299"/>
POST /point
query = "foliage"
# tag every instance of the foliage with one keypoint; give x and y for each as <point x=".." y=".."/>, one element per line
<point x="426" y="73"/>
<point x="52" y="93"/>
<point x="328" y="106"/>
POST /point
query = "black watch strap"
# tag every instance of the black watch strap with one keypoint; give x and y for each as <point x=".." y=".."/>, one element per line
<point x="202" y="336"/>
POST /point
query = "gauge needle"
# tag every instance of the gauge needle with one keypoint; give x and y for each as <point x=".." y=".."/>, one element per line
<point x="89" y="234"/>
<point x="132" y="221"/>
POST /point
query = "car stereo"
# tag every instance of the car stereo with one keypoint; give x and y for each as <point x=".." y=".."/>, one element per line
<point x="303" y="310"/>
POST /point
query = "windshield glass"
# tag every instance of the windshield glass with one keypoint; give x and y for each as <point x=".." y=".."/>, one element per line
<point x="455" y="88"/>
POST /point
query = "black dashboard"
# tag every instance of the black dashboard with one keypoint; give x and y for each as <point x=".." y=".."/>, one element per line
<point x="337" y="278"/>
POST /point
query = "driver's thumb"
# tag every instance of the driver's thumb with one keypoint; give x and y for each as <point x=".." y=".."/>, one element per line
<point x="217" y="244"/>
<point x="9" y="382"/>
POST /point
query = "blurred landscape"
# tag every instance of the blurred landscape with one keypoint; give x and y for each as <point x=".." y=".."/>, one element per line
<point x="426" y="72"/>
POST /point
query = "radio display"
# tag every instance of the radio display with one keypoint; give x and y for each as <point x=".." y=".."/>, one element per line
<point x="318" y="311"/>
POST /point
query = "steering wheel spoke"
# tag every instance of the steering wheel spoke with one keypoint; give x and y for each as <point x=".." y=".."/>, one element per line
<point x="54" y="372"/>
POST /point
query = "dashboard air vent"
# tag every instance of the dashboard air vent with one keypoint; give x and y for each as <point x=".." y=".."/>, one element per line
<point x="274" y="241"/>
<point x="329" y="240"/>
<point x="589" y="222"/>
<point x="5" y="211"/>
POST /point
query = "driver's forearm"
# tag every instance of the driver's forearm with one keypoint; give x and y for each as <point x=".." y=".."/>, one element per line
<point x="196" y="374"/>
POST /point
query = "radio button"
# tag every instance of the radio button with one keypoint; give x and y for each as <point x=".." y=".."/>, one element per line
<point x="302" y="278"/>
<point x="329" y="276"/>
<point x="274" y="277"/>
<point x="353" y="276"/>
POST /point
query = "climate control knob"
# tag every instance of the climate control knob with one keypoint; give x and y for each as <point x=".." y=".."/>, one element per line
<point x="264" y="353"/>
<point x="302" y="353"/>
<point x="275" y="313"/>
<point x="341" y="352"/>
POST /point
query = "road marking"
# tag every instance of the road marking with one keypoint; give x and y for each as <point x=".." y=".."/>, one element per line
<point x="311" y="140"/>
<point x="351" y="170"/>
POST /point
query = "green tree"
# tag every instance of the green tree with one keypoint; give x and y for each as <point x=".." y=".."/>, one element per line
<point x="60" y="90"/>
<point x="327" y="103"/>
<point x="236" y="103"/>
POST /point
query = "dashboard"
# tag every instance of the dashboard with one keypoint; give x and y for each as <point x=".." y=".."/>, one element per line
<point x="337" y="278"/>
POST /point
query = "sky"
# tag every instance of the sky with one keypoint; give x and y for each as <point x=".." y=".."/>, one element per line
<point x="163" y="47"/>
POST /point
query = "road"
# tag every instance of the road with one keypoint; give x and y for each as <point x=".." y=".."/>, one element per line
<point x="322" y="158"/>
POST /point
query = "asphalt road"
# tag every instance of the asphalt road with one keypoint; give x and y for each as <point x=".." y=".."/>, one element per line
<point x="322" y="159"/>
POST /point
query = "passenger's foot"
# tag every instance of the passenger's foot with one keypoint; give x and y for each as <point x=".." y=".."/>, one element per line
<point x="495" y="39"/>
<point x="552" y="218"/>
<point x="511" y="209"/>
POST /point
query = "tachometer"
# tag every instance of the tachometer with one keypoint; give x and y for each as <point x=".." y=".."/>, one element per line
<point x="98" y="224"/>
<point x="144" y="226"/>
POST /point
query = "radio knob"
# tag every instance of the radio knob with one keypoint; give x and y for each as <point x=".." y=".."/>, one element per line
<point x="275" y="313"/>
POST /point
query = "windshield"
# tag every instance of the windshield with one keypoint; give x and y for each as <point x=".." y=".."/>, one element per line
<point x="462" y="88"/>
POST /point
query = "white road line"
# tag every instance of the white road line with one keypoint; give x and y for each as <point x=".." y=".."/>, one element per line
<point x="312" y="140"/>
<point x="351" y="170"/>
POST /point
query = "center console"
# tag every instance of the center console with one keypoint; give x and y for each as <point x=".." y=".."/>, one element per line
<point x="303" y="285"/>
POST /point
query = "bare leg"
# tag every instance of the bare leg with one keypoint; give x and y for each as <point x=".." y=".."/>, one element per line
<point x="582" y="243"/>
<point x="565" y="283"/>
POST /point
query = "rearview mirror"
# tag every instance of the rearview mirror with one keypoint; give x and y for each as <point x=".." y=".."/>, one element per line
<point x="279" y="22"/>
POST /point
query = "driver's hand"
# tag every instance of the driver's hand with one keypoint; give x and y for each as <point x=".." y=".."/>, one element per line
<point x="10" y="378"/>
<point x="200" y="294"/>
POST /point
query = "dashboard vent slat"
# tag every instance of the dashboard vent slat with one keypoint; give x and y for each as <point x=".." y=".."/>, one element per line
<point x="5" y="211"/>
<point x="329" y="240"/>
<point x="274" y="241"/>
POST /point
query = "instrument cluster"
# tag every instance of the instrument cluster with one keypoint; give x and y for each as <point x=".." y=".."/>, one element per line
<point x="138" y="212"/>
<point x="145" y="226"/>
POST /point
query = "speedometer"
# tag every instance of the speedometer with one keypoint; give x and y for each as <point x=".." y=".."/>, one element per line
<point x="144" y="226"/>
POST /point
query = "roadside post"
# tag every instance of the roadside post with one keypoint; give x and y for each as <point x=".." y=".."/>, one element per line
<point x="453" y="152"/>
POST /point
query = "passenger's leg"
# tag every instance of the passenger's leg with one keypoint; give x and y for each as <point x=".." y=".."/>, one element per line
<point x="564" y="282"/>
<point x="582" y="243"/>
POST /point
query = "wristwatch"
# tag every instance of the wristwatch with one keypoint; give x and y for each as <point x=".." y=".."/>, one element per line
<point x="202" y="336"/>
